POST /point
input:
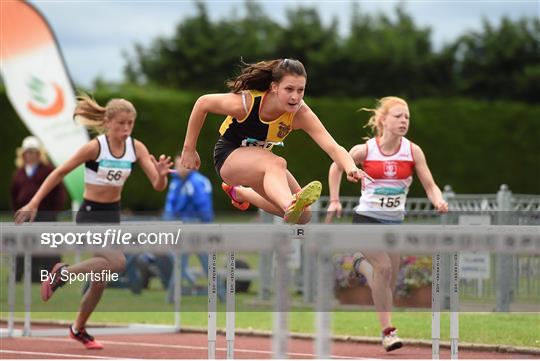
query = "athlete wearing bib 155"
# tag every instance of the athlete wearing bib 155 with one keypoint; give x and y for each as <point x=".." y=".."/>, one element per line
<point x="385" y="197"/>
<point x="390" y="160"/>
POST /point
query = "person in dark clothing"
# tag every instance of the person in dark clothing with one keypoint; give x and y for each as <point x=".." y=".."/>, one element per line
<point x="32" y="169"/>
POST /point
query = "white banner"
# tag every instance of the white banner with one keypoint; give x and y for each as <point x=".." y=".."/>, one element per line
<point x="474" y="265"/>
<point x="39" y="87"/>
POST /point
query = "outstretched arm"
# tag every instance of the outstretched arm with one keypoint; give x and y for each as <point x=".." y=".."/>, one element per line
<point x="358" y="154"/>
<point x="307" y="120"/>
<point x="155" y="170"/>
<point x="87" y="152"/>
<point x="224" y="104"/>
<point x="424" y="174"/>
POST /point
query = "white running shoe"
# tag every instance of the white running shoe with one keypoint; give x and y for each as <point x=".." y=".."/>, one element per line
<point x="391" y="341"/>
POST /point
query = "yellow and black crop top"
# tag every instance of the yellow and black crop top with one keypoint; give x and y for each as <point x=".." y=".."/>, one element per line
<point x="252" y="126"/>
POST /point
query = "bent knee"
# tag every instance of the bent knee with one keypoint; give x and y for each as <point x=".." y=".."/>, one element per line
<point x="117" y="262"/>
<point x="384" y="270"/>
<point x="279" y="162"/>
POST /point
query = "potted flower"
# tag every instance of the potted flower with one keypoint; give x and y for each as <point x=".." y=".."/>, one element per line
<point x="348" y="288"/>
<point x="413" y="286"/>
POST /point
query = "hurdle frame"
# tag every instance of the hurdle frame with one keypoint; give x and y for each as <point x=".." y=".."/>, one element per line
<point x="318" y="239"/>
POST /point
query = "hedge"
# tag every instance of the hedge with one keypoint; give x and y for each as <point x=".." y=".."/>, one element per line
<point x="473" y="145"/>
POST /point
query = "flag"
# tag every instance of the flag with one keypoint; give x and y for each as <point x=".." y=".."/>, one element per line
<point x="39" y="87"/>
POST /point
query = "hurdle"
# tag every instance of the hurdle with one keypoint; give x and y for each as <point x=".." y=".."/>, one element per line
<point x="436" y="306"/>
<point x="212" y="305"/>
<point x="319" y="240"/>
<point x="230" y="305"/>
<point x="195" y="239"/>
<point x="212" y="301"/>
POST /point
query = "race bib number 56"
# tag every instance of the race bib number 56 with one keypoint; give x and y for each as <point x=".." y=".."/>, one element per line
<point x="114" y="171"/>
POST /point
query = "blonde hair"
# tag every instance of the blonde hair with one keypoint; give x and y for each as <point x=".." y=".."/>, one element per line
<point x="383" y="106"/>
<point x="92" y="115"/>
<point x="19" y="160"/>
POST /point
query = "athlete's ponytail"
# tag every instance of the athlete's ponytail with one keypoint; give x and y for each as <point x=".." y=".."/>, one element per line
<point x="92" y="115"/>
<point x="259" y="76"/>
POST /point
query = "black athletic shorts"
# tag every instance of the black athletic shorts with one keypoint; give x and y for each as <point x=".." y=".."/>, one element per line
<point x="96" y="212"/>
<point x="361" y="219"/>
<point x="222" y="150"/>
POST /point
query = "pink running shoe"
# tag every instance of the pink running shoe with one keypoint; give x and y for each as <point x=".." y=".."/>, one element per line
<point x="53" y="282"/>
<point x="87" y="340"/>
<point x="229" y="189"/>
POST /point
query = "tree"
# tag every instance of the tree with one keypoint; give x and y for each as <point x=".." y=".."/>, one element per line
<point x="381" y="55"/>
<point x="388" y="56"/>
<point x="307" y="39"/>
<point x="202" y="54"/>
<point x="501" y="61"/>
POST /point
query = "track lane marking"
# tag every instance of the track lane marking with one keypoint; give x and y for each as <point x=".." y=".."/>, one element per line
<point x="67" y="355"/>
<point x="203" y="348"/>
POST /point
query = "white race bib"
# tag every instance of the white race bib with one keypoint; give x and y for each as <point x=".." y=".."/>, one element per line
<point x="250" y="142"/>
<point x="389" y="199"/>
<point x="114" y="172"/>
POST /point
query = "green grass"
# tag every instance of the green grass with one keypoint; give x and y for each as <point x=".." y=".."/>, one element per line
<point x="121" y="306"/>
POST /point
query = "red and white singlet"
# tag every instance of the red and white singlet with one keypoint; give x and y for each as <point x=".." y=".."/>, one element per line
<point x="385" y="198"/>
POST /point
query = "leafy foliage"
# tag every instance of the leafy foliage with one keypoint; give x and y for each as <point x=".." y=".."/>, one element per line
<point x="414" y="272"/>
<point x="380" y="55"/>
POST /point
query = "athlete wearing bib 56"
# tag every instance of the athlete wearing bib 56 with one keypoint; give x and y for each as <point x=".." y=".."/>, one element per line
<point x="264" y="106"/>
<point x="390" y="159"/>
<point x="108" y="161"/>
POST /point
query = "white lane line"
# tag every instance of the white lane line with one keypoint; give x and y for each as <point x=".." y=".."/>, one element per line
<point x="67" y="355"/>
<point x="203" y="348"/>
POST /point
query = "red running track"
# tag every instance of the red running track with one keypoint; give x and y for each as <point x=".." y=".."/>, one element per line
<point x="194" y="346"/>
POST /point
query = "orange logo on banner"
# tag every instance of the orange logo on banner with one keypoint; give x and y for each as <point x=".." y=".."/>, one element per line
<point x="56" y="106"/>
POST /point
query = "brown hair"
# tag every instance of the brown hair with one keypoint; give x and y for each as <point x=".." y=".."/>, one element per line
<point x="380" y="111"/>
<point x="259" y="76"/>
<point x="92" y="115"/>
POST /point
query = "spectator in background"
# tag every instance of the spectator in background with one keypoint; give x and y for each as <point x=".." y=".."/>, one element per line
<point x="189" y="200"/>
<point x="32" y="169"/>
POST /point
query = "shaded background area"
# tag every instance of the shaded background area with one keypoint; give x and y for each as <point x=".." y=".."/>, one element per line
<point x="473" y="99"/>
<point x="473" y="145"/>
